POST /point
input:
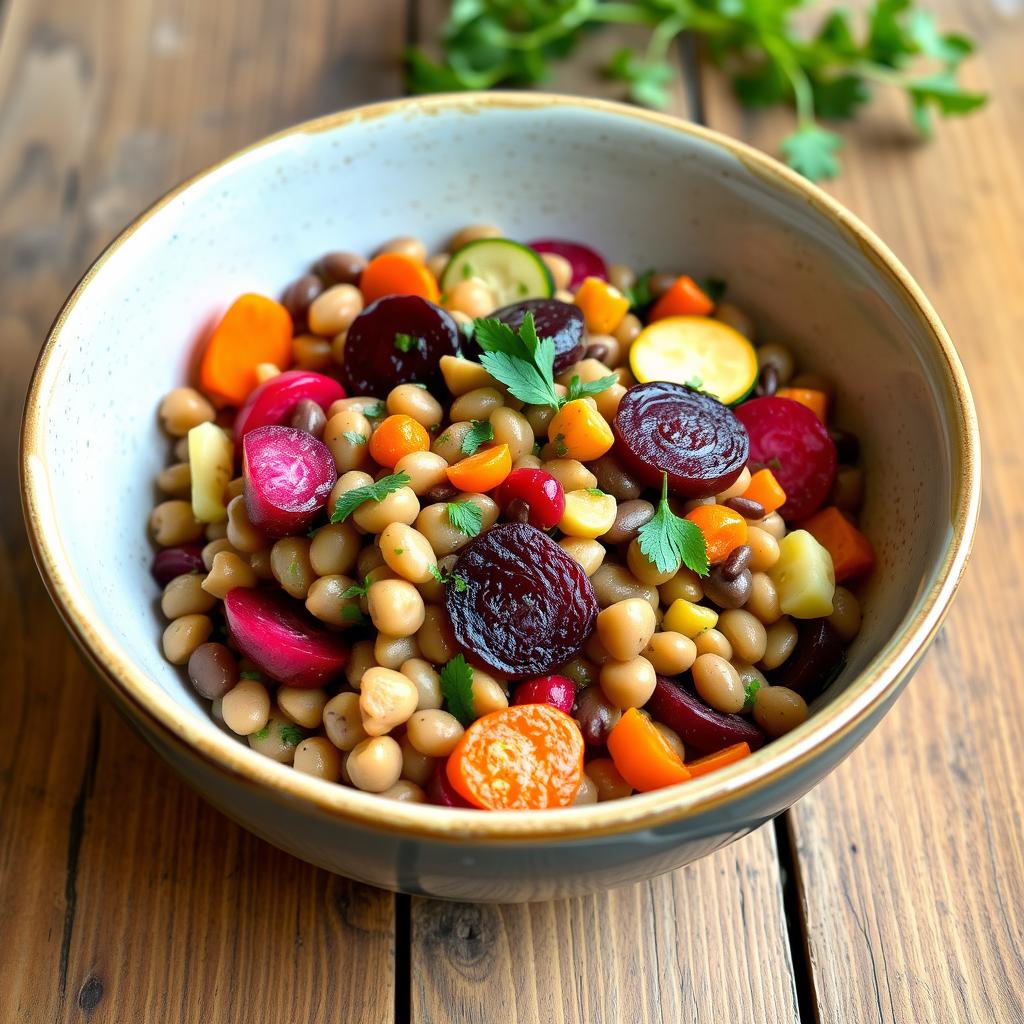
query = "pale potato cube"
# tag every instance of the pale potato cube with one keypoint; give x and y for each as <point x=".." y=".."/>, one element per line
<point x="803" y="577"/>
<point x="211" y="458"/>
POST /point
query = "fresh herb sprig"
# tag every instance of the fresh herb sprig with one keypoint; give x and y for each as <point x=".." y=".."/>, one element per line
<point x="466" y="516"/>
<point x="457" y="688"/>
<point x="668" y="541"/>
<point x="480" y="432"/>
<point x="828" y="73"/>
<point x="378" y="491"/>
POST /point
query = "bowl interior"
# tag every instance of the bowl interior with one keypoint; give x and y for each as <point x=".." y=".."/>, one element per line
<point x="641" y="191"/>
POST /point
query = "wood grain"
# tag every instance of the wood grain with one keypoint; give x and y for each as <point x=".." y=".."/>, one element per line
<point x="911" y="855"/>
<point x="125" y="897"/>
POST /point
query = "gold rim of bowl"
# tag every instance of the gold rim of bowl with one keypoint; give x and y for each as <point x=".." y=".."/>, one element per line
<point x="146" y="703"/>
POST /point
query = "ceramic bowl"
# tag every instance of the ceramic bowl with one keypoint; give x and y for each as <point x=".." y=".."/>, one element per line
<point x="645" y="189"/>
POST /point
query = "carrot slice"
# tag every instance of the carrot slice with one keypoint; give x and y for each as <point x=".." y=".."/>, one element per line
<point x="603" y="306"/>
<point x="764" y="488"/>
<point x="815" y="400"/>
<point x="719" y="759"/>
<point x="642" y="755"/>
<point x="397" y="437"/>
<point x="852" y="553"/>
<point x="254" y="330"/>
<point x="723" y="529"/>
<point x="393" y="273"/>
<point x="483" y="471"/>
<point x="525" y="757"/>
<point x="684" y="297"/>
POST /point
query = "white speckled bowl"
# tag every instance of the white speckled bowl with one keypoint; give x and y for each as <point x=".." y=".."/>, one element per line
<point x="644" y="189"/>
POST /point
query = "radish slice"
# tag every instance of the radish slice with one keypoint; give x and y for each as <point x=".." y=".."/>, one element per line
<point x="557" y="691"/>
<point x="583" y="260"/>
<point x="283" y="641"/>
<point x="288" y="478"/>
<point x="794" y="444"/>
<point x="272" y="403"/>
<point x="699" y="726"/>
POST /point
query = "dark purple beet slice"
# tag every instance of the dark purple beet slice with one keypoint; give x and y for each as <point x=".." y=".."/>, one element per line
<point x="398" y="339"/>
<point x="685" y="433"/>
<point x="701" y="728"/>
<point x="585" y="262"/>
<point x="560" y="321"/>
<point x="819" y="656"/>
<point x="526" y="608"/>
<point x="172" y="562"/>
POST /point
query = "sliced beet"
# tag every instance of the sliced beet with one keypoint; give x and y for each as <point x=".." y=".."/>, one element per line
<point x="274" y="401"/>
<point x="789" y="439"/>
<point x="701" y="728"/>
<point x="399" y="339"/>
<point x="557" y="691"/>
<point x="585" y="262"/>
<point x="288" y="478"/>
<point x="281" y="639"/>
<point x="562" y="322"/>
<point x="442" y="793"/>
<point x="526" y="606"/>
<point x="179" y="561"/>
<point x="691" y="436"/>
<point x="819" y="656"/>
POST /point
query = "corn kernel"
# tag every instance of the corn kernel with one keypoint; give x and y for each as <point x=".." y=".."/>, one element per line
<point x="688" y="618"/>
<point x="803" y="577"/>
<point x="588" y="514"/>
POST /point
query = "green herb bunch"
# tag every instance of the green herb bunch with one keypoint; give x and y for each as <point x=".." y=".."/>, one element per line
<point x="827" y="74"/>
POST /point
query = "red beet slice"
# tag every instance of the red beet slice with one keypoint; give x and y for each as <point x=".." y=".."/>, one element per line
<point x="288" y="478"/>
<point x="526" y="608"/>
<point x="562" y="322"/>
<point x="277" y="635"/>
<point x="557" y="691"/>
<point x="701" y="728"/>
<point x="172" y="562"/>
<point x="819" y="657"/>
<point x="691" y="436"/>
<point x="398" y="339"/>
<point x="583" y="260"/>
<point x="542" y="495"/>
<point x="788" y="438"/>
<point x="442" y="793"/>
<point x="272" y="403"/>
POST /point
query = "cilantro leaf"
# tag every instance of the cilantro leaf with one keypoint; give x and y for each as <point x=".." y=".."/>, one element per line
<point x="695" y="382"/>
<point x="750" y="687"/>
<point x="291" y="735"/>
<point x="581" y="389"/>
<point x="519" y="359"/>
<point x="353" y="613"/>
<point x="353" y="437"/>
<point x="457" y="688"/>
<point x="407" y="342"/>
<point x="666" y="540"/>
<point x="648" y="80"/>
<point x="248" y="673"/>
<point x="479" y="433"/>
<point x="376" y="411"/>
<point x="356" y="590"/>
<point x="261" y="734"/>
<point x="466" y="516"/>
<point x="459" y="583"/>
<point x="639" y="293"/>
<point x="377" y="491"/>
<point x="811" y="151"/>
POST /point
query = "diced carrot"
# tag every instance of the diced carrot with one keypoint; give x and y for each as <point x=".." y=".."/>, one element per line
<point x="723" y="529"/>
<point x="254" y="330"/>
<point x="482" y="471"/>
<point x="852" y="553"/>
<point x="579" y="431"/>
<point x="684" y="297"/>
<point x="603" y="306"/>
<point x="642" y="755"/>
<point x="396" y="437"/>
<point x="816" y="401"/>
<point x="719" y="759"/>
<point x="765" y="489"/>
<point x="393" y="273"/>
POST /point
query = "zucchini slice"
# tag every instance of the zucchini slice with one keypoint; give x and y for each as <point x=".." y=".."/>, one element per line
<point x="512" y="271"/>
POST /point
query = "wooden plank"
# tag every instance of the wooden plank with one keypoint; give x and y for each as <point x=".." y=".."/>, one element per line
<point x="911" y="855"/>
<point x="125" y="897"/>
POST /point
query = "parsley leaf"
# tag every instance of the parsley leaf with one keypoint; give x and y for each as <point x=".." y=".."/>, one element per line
<point x="291" y="735"/>
<point x="668" y="540"/>
<point x="353" y="437"/>
<point x="480" y="432"/>
<point x="261" y="734"/>
<point x="356" y="590"/>
<point x="519" y="359"/>
<point x="455" y="580"/>
<point x="376" y="411"/>
<point x="580" y="389"/>
<point x="811" y="151"/>
<point x="466" y="516"/>
<point x="750" y="687"/>
<point x="378" y="491"/>
<point x="457" y="688"/>
<point x="695" y="382"/>
<point x="559" y="446"/>
<point x="353" y="613"/>
<point x="639" y="294"/>
<point x="248" y="673"/>
<point x="408" y="342"/>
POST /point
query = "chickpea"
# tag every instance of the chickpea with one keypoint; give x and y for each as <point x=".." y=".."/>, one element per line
<point x="289" y="561"/>
<point x="685" y="584"/>
<point x="425" y="470"/>
<point x="670" y="653"/>
<point x="626" y="627"/>
<point x="361" y="403"/>
<point x="266" y="371"/>
<point x="472" y="297"/>
<point x="643" y="568"/>
<point x="764" y="549"/>
<point x="433" y="524"/>
<point x="334" y="549"/>
<point x="234" y="488"/>
<point x="738" y="486"/>
<point x="614" y="480"/>
<point x="745" y="632"/>
<point x="225" y="569"/>
<point x="370" y="558"/>
<point x="426" y="680"/>
<point x="342" y="435"/>
<point x="627" y="331"/>
<point x="175" y="480"/>
<point x="318" y="757"/>
<point x="395" y="607"/>
<point x="672" y="738"/>
<point x="408" y="553"/>
<point x="512" y="428"/>
<point x="405" y="245"/>
<point x="375" y="764"/>
<point x="718" y="683"/>
<point x="628" y="684"/>
<point x="526" y="462"/>
<point x="311" y="353"/>
<point x="620" y="276"/>
<point x="462" y="375"/>
<point x="213" y="670"/>
<point x="343" y="722"/>
<point x="589" y="553"/>
<point x="324" y="601"/>
<point x="340" y="267"/>
<point x="217" y="531"/>
<point x="778" y="356"/>
<point x="613" y="583"/>
<point x="588" y="370"/>
<point x="845" y="617"/>
<point x="735" y="318"/>
<point x="848" y="490"/>
<point x="184" y="595"/>
<point x="416" y="402"/>
<point x="180" y="449"/>
<point x="333" y="310"/>
<point x="608" y="401"/>
<point x="184" y="635"/>
<point x="449" y="442"/>
<point x="405" y="792"/>
<point x="559" y="267"/>
<point x="438" y="263"/>
<point x="539" y="416"/>
<point x="394" y="651"/>
<point x="711" y="641"/>
<point x="595" y="650"/>
<point x="587" y="793"/>
<point x="243" y="535"/>
<point x="435" y="637"/>
<point x="259" y="562"/>
<point x="772" y="523"/>
<point x="780" y="642"/>
<point x="472" y="233"/>
<point x="185" y="408"/>
<point x="276" y="740"/>
<point x="571" y="474"/>
<point x="416" y="767"/>
<point x="401" y="506"/>
<point x="434" y="732"/>
<point x="763" y="601"/>
<point x="778" y="710"/>
<point x="173" y="523"/>
<point x="609" y="783"/>
<point x="488" y="694"/>
<point x="386" y="699"/>
<point x="360" y="659"/>
<point x="246" y="707"/>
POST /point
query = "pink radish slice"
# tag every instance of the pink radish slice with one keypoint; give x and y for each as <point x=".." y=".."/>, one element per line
<point x="179" y="561"/>
<point x="442" y="793"/>
<point x="272" y="403"/>
<point x="282" y="640"/>
<point x="793" y="443"/>
<point x="557" y="691"/>
<point x="699" y="727"/>
<point x="583" y="260"/>
<point x="288" y="478"/>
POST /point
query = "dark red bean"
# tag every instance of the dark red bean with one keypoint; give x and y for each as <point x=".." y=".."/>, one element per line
<point x="596" y="715"/>
<point x="598" y="352"/>
<point x="820" y="653"/>
<point x="308" y="416"/>
<point x="747" y="507"/>
<point x="441" y="792"/>
<point x="701" y="728"/>
<point x="738" y="560"/>
<point x="179" y="561"/>
<point x="629" y="517"/>
<point x="613" y="479"/>
<point x="213" y="670"/>
<point x="340" y="267"/>
<point x="767" y="381"/>
<point x="727" y="593"/>
<point x="299" y="295"/>
<point x="442" y="492"/>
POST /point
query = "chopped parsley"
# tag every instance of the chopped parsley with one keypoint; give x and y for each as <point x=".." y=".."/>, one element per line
<point x="376" y="411"/>
<point x="695" y="382"/>
<point x="352" y="613"/>
<point x="249" y="673"/>
<point x="457" y="688"/>
<point x="353" y="437"/>
<point x="479" y="433"/>
<point x="750" y="688"/>
<point x="291" y="735"/>
<point x="559" y="445"/>
<point x="596" y="492"/>
<point x="579" y="389"/>
<point x="261" y="734"/>
<point x="455" y="580"/>
<point x="378" y="491"/>
<point x="466" y="516"/>
<point x="668" y="540"/>
<point x="408" y="342"/>
<point x="356" y="590"/>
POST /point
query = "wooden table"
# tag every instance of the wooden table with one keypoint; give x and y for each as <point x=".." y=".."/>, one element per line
<point x="893" y="892"/>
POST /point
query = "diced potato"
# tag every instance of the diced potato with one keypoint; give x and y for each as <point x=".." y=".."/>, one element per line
<point x="588" y="513"/>
<point x="803" y="577"/>
<point x="688" y="618"/>
<point x="462" y="375"/>
<point x="211" y="457"/>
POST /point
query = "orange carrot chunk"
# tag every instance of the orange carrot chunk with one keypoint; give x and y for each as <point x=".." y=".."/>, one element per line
<point x="815" y="400"/>
<point x="526" y="757"/>
<point x="723" y="529"/>
<point x="396" y="437"/>
<point x="603" y="306"/>
<point x="684" y="297"/>
<point x="719" y="759"/>
<point x="852" y="553"/>
<point x="482" y="471"/>
<point x="642" y="755"/>
<point x="254" y="330"/>
<point x="765" y="489"/>
<point x="393" y="273"/>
